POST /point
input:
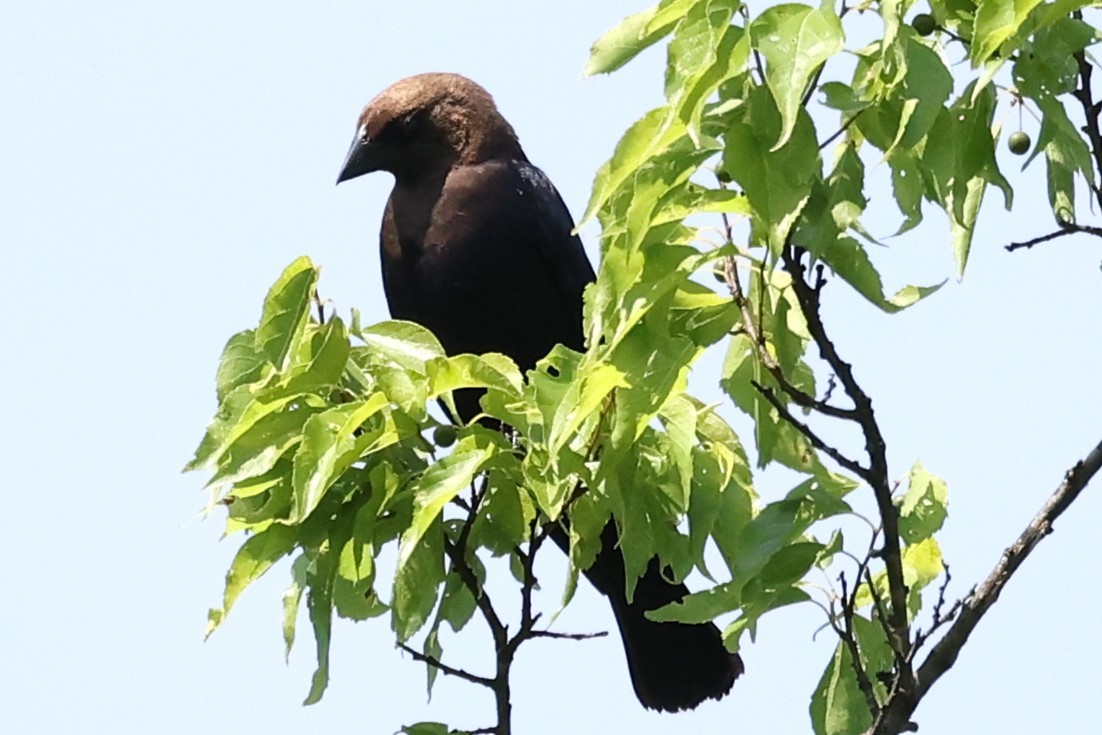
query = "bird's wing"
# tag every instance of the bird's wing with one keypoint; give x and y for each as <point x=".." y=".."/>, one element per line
<point x="561" y="248"/>
<point x="500" y="269"/>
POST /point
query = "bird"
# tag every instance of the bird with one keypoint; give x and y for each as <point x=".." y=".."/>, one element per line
<point x="477" y="246"/>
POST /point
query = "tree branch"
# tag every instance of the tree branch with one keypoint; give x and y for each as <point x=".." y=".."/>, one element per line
<point x="875" y="446"/>
<point x="806" y="430"/>
<point x="1066" y="228"/>
<point x="945" y="651"/>
<point x="797" y="396"/>
<point x="568" y="636"/>
<point x="443" y="667"/>
<point x="1090" y="111"/>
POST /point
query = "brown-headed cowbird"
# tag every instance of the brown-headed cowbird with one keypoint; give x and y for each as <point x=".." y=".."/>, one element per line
<point x="477" y="246"/>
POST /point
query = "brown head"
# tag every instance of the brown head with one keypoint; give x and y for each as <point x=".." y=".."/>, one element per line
<point x="426" y="124"/>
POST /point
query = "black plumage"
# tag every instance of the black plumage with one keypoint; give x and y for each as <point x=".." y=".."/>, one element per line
<point x="476" y="245"/>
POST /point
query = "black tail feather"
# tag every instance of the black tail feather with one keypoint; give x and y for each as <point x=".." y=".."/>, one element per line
<point x="673" y="666"/>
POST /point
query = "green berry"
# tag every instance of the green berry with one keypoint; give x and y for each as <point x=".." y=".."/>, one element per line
<point x="1019" y="143"/>
<point x="723" y="175"/>
<point x="924" y="24"/>
<point x="444" y="435"/>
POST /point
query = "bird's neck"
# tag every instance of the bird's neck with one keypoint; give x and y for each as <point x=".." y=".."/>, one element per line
<point x="410" y="208"/>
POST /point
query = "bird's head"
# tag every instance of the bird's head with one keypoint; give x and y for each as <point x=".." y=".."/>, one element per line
<point x="426" y="124"/>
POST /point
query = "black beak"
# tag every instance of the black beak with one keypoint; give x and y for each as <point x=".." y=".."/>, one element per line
<point x="363" y="158"/>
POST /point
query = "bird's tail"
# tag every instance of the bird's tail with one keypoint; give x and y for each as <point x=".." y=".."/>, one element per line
<point x="674" y="666"/>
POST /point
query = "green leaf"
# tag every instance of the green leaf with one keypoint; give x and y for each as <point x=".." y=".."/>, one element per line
<point x="776" y="179"/>
<point x="319" y="603"/>
<point x="329" y="446"/>
<point x="439" y="485"/>
<point x="923" y="509"/>
<point x="426" y="728"/>
<point x="849" y="260"/>
<point x="354" y="595"/>
<point x="292" y="596"/>
<point x="239" y="412"/>
<point x="651" y="135"/>
<point x="321" y="359"/>
<point x="922" y="563"/>
<point x="633" y="35"/>
<point x="996" y="21"/>
<point x="1066" y="154"/>
<point x="404" y="343"/>
<point x="838" y="707"/>
<point x="241" y="363"/>
<point x="257" y="450"/>
<point x="906" y="108"/>
<point x="286" y="310"/>
<point x="493" y="371"/>
<point x="417" y="582"/>
<point x="795" y="41"/>
<point x="700" y="56"/>
<point x="256" y="556"/>
<point x="962" y="164"/>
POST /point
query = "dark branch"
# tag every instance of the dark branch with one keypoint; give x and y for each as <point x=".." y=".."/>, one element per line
<point x="846" y="634"/>
<point x="806" y="430"/>
<point x="945" y="651"/>
<point x="1090" y="111"/>
<point x="443" y="667"/>
<point x="568" y="636"/>
<point x="797" y="396"/>
<point x="1066" y="228"/>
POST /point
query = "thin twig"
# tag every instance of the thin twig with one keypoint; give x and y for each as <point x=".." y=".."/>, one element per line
<point x="1066" y="228"/>
<point x="846" y="634"/>
<point x="845" y="126"/>
<point x="568" y="636"/>
<point x="770" y="395"/>
<point x="797" y="396"/>
<point x="444" y="668"/>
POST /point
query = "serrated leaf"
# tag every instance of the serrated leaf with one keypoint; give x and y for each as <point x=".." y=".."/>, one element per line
<point x="634" y="35"/>
<point x="962" y="165"/>
<point x="439" y="485"/>
<point x="319" y="604"/>
<point x="253" y="559"/>
<point x="329" y="446"/>
<point x="426" y="728"/>
<point x="647" y="138"/>
<point x="286" y="310"/>
<point x="924" y="508"/>
<point x="795" y="41"/>
<point x="292" y="596"/>
<point x="777" y="180"/>
<point x="849" y="260"/>
<point x="417" y="582"/>
<point x="241" y="363"/>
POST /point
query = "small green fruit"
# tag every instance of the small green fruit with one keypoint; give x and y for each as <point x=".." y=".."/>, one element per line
<point x="444" y="436"/>
<point x="723" y="175"/>
<point x="924" y="24"/>
<point x="1019" y="143"/>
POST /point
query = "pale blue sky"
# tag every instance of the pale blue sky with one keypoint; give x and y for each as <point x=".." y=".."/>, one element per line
<point x="161" y="162"/>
